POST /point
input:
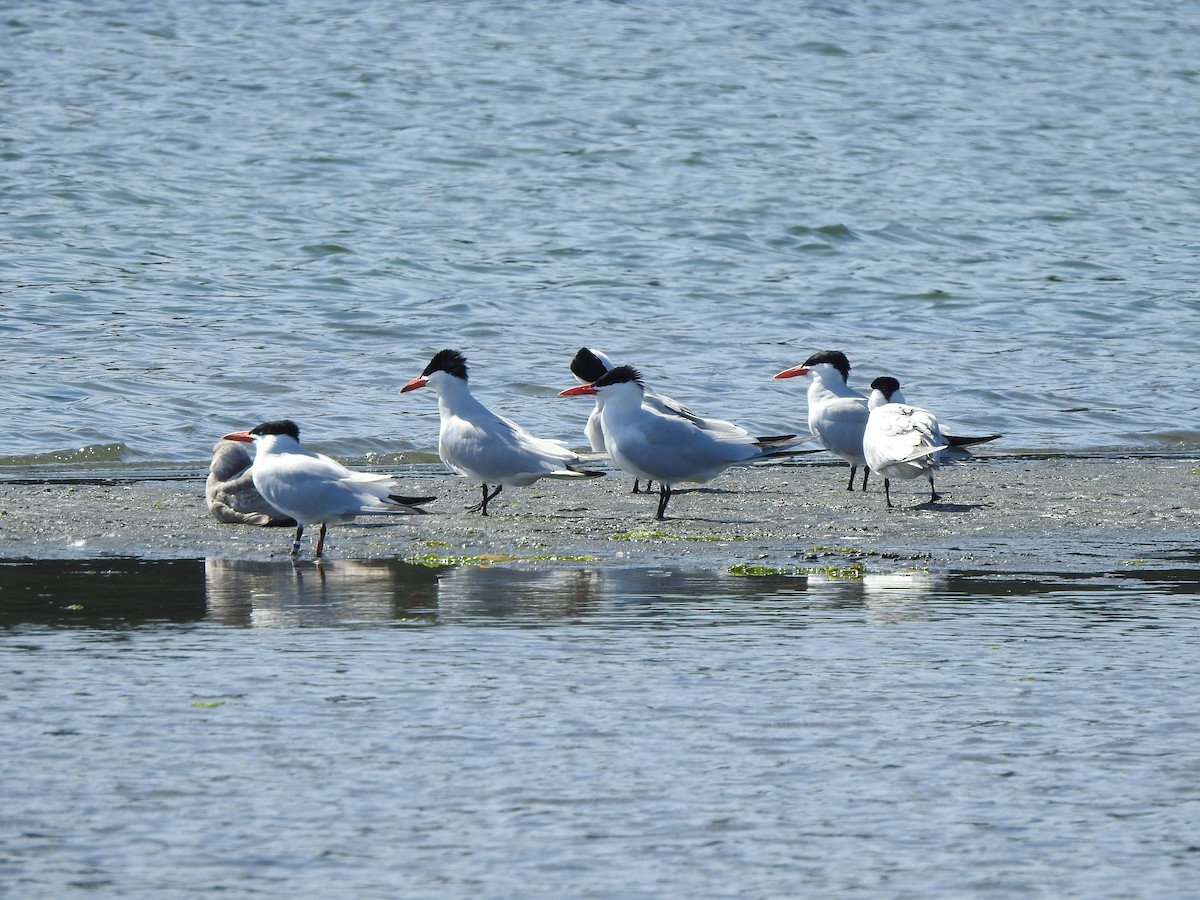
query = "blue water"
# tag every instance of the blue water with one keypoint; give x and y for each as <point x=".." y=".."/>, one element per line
<point x="373" y="729"/>
<point x="218" y="213"/>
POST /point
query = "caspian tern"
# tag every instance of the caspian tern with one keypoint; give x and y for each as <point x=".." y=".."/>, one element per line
<point x="901" y="441"/>
<point x="476" y="443"/>
<point x="311" y="487"/>
<point x="837" y="414"/>
<point x="230" y="492"/>
<point x="957" y="445"/>
<point x="659" y="446"/>
<point x="590" y="365"/>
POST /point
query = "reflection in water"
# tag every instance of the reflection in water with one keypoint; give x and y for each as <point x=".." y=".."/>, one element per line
<point x="898" y="596"/>
<point x="287" y="593"/>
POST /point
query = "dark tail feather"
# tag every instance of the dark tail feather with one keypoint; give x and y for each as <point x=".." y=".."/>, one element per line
<point x="781" y="453"/>
<point x="769" y="439"/>
<point x="410" y="501"/>
<point x="956" y="441"/>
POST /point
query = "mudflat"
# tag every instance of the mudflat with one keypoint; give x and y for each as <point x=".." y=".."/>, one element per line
<point x="1004" y="513"/>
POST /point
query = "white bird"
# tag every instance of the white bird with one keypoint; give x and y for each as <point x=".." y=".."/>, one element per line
<point x="589" y="365"/>
<point x="661" y="447"/>
<point x="956" y="451"/>
<point x="837" y="414"/>
<point x="901" y="441"/>
<point x="311" y="487"/>
<point x="476" y="443"/>
<point x="230" y="492"/>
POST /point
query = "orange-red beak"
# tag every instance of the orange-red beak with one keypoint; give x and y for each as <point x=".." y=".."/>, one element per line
<point x="792" y="372"/>
<point x="580" y="390"/>
<point x="241" y="436"/>
<point x="419" y="382"/>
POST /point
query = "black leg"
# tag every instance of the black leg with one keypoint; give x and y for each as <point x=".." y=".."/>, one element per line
<point x="887" y="491"/>
<point x="664" y="495"/>
<point x="296" y="542"/>
<point x="635" y="487"/>
<point x="933" y="494"/>
<point x="850" y="486"/>
<point x="481" y="506"/>
<point x="320" y="542"/>
<point x="866" y="472"/>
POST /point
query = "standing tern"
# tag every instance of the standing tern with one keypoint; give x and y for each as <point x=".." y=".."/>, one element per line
<point x="901" y="441"/>
<point x="311" y="487"/>
<point x="837" y="414"/>
<point x="230" y="493"/>
<point x="957" y="445"/>
<point x="659" y="446"/>
<point x="590" y="365"/>
<point x="476" y="443"/>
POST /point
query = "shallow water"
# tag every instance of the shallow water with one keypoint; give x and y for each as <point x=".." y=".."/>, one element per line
<point x="216" y="214"/>
<point x="220" y="213"/>
<point x="396" y="730"/>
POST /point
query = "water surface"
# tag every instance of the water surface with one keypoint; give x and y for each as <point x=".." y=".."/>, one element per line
<point x="217" y="214"/>
<point x="395" y="730"/>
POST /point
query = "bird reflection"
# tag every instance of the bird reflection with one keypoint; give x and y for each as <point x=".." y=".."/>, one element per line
<point x="898" y="596"/>
<point x="285" y="593"/>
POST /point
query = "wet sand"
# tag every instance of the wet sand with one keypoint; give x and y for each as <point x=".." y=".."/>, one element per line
<point x="1003" y="513"/>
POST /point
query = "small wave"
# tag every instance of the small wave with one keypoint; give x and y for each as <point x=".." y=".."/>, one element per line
<point x="93" y="453"/>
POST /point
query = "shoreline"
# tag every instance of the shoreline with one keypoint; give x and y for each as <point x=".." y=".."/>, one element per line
<point x="1002" y="513"/>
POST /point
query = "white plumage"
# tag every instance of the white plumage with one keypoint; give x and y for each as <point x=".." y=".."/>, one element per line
<point x="476" y="443"/>
<point x="311" y="487"/>
<point x="662" y="447"/>
<point x="901" y="441"/>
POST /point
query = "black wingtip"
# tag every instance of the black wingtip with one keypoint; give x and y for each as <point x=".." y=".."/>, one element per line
<point x="956" y="441"/>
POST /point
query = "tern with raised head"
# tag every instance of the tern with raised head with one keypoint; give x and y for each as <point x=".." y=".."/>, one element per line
<point x="662" y="447"/>
<point x="837" y="414"/>
<point x="476" y="443"/>
<point x="589" y="365"/>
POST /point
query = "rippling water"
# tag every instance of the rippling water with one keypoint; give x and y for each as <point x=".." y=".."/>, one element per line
<point x="219" y="213"/>
<point x="196" y="727"/>
<point x="216" y="213"/>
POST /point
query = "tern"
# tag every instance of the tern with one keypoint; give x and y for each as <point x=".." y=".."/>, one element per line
<point x="230" y="492"/>
<point x="661" y="447"/>
<point x="956" y="450"/>
<point x="590" y="365"/>
<point x="311" y="487"/>
<point x="837" y="414"/>
<point x="901" y="441"/>
<point x="476" y="443"/>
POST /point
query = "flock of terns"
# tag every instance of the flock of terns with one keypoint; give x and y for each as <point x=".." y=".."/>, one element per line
<point x="645" y="434"/>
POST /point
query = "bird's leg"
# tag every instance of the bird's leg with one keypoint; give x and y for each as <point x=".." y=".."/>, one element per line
<point x="320" y="542"/>
<point x="853" y="470"/>
<point x="933" y="494"/>
<point x="664" y="495"/>
<point x="635" y="488"/>
<point x="887" y="491"/>
<point x="481" y="507"/>
<point x="296" y="542"/>
<point x="866" y="472"/>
